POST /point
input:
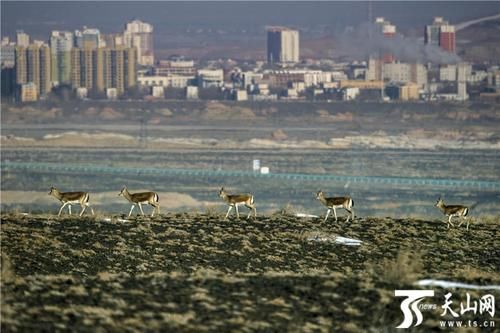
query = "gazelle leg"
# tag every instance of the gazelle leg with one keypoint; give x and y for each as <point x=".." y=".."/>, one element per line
<point x="83" y="209"/>
<point x="62" y="207"/>
<point x="228" y="210"/>
<point x="131" y="209"/>
<point x="237" y="212"/>
<point x="464" y="219"/>
<point x="449" y="221"/>
<point x="91" y="209"/>
<point x="69" y="209"/>
<point x="252" y="208"/>
<point x="327" y="213"/>
<point x="335" y="213"/>
<point x="154" y="210"/>
<point x="140" y="207"/>
<point x="348" y="215"/>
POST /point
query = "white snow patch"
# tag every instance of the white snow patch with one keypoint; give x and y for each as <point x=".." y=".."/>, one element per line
<point x="335" y="239"/>
<point x="305" y="215"/>
<point x="451" y="284"/>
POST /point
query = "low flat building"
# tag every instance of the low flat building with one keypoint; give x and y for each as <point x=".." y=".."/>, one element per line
<point x="81" y="93"/>
<point x="158" y="92"/>
<point x="240" y="95"/>
<point x="350" y="94"/>
<point x="29" y="92"/>
<point x="112" y="93"/>
<point x="174" y="81"/>
<point x="210" y="78"/>
<point x="361" y="84"/>
<point x="175" y="67"/>
<point x="191" y="92"/>
<point x="409" y="92"/>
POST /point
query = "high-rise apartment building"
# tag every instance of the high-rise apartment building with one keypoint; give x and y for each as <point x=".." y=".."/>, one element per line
<point x="282" y="45"/>
<point x="447" y="38"/>
<point x="440" y="33"/>
<point x="33" y="65"/>
<point x="8" y="54"/>
<point x="61" y="43"/>
<point x="22" y="39"/>
<point x="83" y="68"/>
<point x="431" y="34"/>
<point x="388" y="30"/>
<point x="88" y="39"/>
<point x="104" y="68"/>
<point x="139" y="34"/>
<point x="113" y="40"/>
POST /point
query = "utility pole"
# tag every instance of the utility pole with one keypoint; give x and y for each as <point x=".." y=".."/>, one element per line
<point x="143" y="134"/>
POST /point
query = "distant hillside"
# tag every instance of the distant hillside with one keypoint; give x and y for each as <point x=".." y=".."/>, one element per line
<point x="480" y="42"/>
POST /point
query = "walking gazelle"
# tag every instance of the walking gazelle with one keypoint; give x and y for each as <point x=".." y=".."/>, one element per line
<point x="453" y="210"/>
<point x="233" y="200"/>
<point x="69" y="198"/>
<point x="141" y="198"/>
<point x="336" y="202"/>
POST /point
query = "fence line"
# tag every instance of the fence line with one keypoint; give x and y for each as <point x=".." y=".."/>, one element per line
<point x="101" y="169"/>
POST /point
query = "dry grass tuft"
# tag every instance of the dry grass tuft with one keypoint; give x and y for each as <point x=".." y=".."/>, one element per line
<point x="212" y="211"/>
<point x="288" y="210"/>
<point x="401" y="271"/>
<point x="6" y="269"/>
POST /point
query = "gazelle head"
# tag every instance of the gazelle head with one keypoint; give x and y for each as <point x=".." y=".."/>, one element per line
<point x="124" y="189"/>
<point x="52" y="190"/>
<point x="222" y="192"/>
<point x="439" y="202"/>
<point x="320" y="195"/>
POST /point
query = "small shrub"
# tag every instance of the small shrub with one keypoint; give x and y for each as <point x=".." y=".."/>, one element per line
<point x="401" y="271"/>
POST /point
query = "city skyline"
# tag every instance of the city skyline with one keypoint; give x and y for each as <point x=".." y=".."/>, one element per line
<point x="175" y="16"/>
<point x="377" y="59"/>
<point x="211" y="30"/>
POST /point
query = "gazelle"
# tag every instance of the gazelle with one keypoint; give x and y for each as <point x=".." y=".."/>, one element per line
<point x="235" y="200"/>
<point x="69" y="198"/>
<point x="453" y="210"/>
<point x="141" y="198"/>
<point x="337" y="202"/>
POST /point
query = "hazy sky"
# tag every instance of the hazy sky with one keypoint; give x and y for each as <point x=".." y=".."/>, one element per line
<point x="38" y="18"/>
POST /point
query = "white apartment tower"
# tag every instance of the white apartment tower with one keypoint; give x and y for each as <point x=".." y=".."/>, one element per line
<point x="282" y="45"/>
<point x="89" y="38"/>
<point x="139" y="34"/>
<point x="462" y="84"/>
<point x="22" y="38"/>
